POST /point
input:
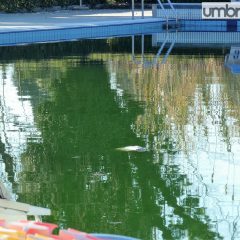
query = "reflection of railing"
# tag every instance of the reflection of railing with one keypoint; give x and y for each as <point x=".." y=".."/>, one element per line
<point x="145" y="63"/>
<point x="191" y="38"/>
<point x="169" y="39"/>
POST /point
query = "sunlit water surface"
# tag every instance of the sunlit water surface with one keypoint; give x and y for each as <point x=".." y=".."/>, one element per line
<point x="65" y="108"/>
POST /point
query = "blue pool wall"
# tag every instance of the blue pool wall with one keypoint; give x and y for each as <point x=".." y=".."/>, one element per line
<point x="209" y="25"/>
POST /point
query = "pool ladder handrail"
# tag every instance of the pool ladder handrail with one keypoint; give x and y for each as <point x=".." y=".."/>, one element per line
<point x="165" y="12"/>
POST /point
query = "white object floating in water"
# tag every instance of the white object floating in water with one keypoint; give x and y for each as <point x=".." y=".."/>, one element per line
<point x="132" y="149"/>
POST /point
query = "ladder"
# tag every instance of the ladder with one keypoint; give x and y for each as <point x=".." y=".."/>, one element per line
<point x="148" y="64"/>
<point x="164" y="9"/>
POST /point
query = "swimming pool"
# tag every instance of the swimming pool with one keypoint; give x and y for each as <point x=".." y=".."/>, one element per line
<point x="66" y="107"/>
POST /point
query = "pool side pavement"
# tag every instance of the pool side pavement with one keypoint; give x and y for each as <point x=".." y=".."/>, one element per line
<point x="68" y="19"/>
<point x="44" y="27"/>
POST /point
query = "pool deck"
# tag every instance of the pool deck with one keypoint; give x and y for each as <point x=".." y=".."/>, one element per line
<point x="44" y="27"/>
<point x="68" y="19"/>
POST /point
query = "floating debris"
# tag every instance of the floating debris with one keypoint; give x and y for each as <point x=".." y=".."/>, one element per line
<point x="115" y="223"/>
<point x="132" y="149"/>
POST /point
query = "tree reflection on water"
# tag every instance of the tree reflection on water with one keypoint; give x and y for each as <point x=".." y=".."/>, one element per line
<point x="84" y="107"/>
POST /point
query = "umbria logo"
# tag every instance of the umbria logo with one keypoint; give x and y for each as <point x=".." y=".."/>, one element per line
<point x="221" y="10"/>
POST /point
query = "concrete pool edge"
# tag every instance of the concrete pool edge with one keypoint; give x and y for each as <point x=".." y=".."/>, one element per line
<point x="73" y="32"/>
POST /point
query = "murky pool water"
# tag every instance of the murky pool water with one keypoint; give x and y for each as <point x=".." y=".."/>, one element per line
<point x="66" y="107"/>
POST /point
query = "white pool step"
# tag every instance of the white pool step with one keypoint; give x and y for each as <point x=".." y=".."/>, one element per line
<point x="12" y="211"/>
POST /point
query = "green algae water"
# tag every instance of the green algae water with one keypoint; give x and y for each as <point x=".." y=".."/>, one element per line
<point x="66" y="107"/>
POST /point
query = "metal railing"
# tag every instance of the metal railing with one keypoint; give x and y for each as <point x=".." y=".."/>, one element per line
<point x="171" y="6"/>
<point x="146" y="63"/>
<point x="133" y="9"/>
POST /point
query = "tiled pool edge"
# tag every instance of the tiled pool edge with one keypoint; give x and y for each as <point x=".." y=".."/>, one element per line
<point x="71" y="33"/>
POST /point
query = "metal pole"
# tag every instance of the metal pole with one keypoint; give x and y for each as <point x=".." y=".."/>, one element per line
<point x="80" y="3"/>
<point x="142" y="6"/>
<point x="133" y="9"/>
